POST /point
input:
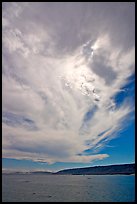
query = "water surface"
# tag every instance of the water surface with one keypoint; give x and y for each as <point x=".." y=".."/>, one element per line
<point x="68" y="188"/>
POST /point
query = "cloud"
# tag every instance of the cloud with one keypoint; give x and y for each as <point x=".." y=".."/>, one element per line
<point x="61" y="71"/>
<point x="15" y="120"/>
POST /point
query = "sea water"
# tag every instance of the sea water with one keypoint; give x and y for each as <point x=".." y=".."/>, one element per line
<point x="67" y="188"/>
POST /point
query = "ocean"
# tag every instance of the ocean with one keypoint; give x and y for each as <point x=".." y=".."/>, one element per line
<point x="68" y="188"/>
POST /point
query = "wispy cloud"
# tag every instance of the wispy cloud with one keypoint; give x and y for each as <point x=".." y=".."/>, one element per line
<point x="62" y="68"/>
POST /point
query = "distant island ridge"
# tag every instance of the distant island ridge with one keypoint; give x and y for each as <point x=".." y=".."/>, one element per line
<point x="126" y="169"/>
<point x="101" y="170"/>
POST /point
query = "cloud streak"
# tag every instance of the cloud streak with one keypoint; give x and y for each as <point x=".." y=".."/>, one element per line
<point x="62" y="67"/>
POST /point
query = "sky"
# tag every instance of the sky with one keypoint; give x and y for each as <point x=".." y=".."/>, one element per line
<point x="68" y="77"/>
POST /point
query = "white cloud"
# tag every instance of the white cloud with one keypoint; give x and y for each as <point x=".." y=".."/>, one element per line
<point x="56" y="88"/>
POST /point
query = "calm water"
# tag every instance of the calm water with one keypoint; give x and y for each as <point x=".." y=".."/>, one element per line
<point x="70" y="188"/>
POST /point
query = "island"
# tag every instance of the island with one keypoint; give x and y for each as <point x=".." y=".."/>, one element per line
<point x="127" y="169"/>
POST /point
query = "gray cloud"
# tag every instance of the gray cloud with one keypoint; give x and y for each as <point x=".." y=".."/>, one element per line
<point x="100" y="67"/>
<point x="17" y="120"/>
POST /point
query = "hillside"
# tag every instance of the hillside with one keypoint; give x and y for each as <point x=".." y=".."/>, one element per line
<point x="101" y="170"/>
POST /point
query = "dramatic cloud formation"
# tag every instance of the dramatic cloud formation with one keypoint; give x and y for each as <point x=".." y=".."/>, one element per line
<point x="63" y="66"/>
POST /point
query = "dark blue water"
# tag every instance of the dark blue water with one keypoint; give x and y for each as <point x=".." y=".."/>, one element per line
<point x="68" y="188"/>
